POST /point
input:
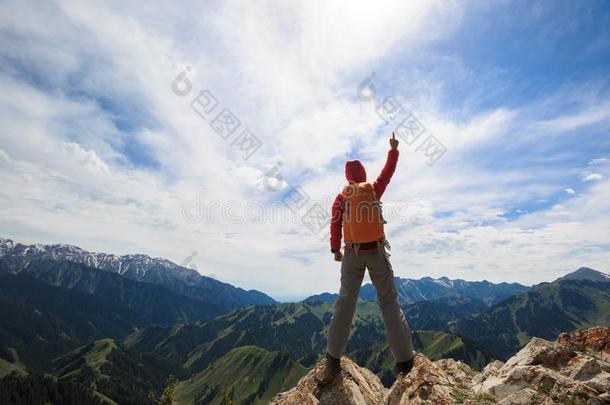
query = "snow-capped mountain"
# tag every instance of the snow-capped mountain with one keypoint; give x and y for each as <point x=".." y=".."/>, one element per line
<point x="411" y="291"/>
<point x="136" y="267"/>
<point x="427" y="288"/>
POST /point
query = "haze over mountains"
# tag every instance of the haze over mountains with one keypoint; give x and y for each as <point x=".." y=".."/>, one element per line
<point x="114" y="327"/>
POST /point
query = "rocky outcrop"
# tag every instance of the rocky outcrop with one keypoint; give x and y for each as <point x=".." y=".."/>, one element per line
<point x="572" y="370"/>
<point x="594" y="341"/>
<point x="550" y="373"/>
<point x="432" y="382"/>
<point x="355" y="386"/>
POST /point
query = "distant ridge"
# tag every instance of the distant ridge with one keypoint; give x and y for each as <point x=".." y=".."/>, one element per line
<point x="324" y="297"/>
<point x="546" y="310"/>
<point x="411" y="290"/>
<point x="138" y="267"/>
<point x="586" y="273"/>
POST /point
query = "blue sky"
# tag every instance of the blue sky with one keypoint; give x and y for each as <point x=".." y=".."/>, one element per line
<point x="96" y="150"/>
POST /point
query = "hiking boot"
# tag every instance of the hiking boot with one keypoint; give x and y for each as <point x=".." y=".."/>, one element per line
<point x="329" y="371"/>
<point x="403" y="367"/>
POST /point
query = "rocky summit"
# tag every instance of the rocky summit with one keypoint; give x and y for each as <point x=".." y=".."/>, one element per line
<point x="355" y="385"/>
<point x="575" y="369"/>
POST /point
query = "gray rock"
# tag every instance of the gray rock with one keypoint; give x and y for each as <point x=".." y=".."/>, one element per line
<point x="523" y="396"/>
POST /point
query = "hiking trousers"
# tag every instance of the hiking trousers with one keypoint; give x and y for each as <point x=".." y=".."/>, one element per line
<point x="397" y="330"/>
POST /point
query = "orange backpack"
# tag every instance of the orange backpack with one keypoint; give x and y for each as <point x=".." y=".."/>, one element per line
<point x="362" y="217"/>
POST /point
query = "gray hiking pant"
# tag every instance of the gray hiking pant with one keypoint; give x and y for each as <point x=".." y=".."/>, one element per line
<point x="352" y="272"/>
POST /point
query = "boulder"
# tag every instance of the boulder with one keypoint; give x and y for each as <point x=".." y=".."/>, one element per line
<point x="594" y="341"/>
<point x="354" y="386"/>
<point x="430" y="382"/>
<point x="490" y="370"/>
<point x="524" y="396"/>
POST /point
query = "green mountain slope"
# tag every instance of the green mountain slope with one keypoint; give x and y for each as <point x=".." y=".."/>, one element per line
<point x="39" y="321"/>
<point x="436" y="314"/>
<point x="298" y="329"/>
<point x="435" y="345"/>
<point x="294" y="328"/>
<point x="250" y="375"/>
<point x="47" y="313"/>
<point x="86" y="359"/>
<point x="45" y="389"/>
<point x="7" y="368"/>
<point x="105" y="367"/>
<point x="545" y="311"/>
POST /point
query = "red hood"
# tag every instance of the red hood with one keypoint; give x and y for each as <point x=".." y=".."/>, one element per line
<point x="354" y="171"/>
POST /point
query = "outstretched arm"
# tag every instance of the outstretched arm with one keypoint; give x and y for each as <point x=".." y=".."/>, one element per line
<point x="388" y="170"/>
<point x="336" y="227"/>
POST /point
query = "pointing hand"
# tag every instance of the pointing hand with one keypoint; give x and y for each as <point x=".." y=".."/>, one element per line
<point x="393" y="142"/>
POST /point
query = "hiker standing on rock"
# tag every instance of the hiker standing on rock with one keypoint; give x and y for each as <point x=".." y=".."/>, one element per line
<point x="357" y="210"/>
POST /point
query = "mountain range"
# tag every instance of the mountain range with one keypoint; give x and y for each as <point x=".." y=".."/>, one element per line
<point x="81" y="327"/>
<point x="141" y="268"/>
<point x="545" y="311"/>
<point x="428" y="289"/>
<point x="217" y="296"/>
<point x="297" y="329"/>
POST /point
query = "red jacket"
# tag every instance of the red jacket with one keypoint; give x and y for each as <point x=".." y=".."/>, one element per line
<point x="355" y="173"/>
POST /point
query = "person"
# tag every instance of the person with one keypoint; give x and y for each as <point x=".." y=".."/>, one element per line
<point x="357" y="212"/>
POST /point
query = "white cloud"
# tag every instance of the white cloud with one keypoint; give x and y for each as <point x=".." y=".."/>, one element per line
<point x="586" y="177"/>
<point x="570" y="190"/>
<point x="577" y="121"/>
<point x="87" y="158"/>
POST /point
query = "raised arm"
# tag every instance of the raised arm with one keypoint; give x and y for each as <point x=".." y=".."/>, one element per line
<point x="388" y="170"/>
